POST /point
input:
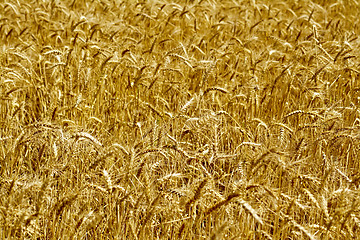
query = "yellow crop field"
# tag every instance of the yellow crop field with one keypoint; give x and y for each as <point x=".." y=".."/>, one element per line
<point x="185" y="119"/>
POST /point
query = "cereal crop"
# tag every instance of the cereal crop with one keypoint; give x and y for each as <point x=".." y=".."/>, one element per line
<point x="191" y="119"/>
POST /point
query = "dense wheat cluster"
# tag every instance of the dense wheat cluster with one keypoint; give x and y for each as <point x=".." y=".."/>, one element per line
<point x="199" y="119"/>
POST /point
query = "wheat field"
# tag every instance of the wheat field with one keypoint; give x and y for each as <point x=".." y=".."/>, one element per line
<point x="197" y="119"/>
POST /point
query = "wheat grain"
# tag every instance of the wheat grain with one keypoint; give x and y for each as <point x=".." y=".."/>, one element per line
<point x="163" y="120"/>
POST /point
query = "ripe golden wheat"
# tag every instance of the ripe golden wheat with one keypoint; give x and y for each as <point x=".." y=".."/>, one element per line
<point x="196" y="119"/>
